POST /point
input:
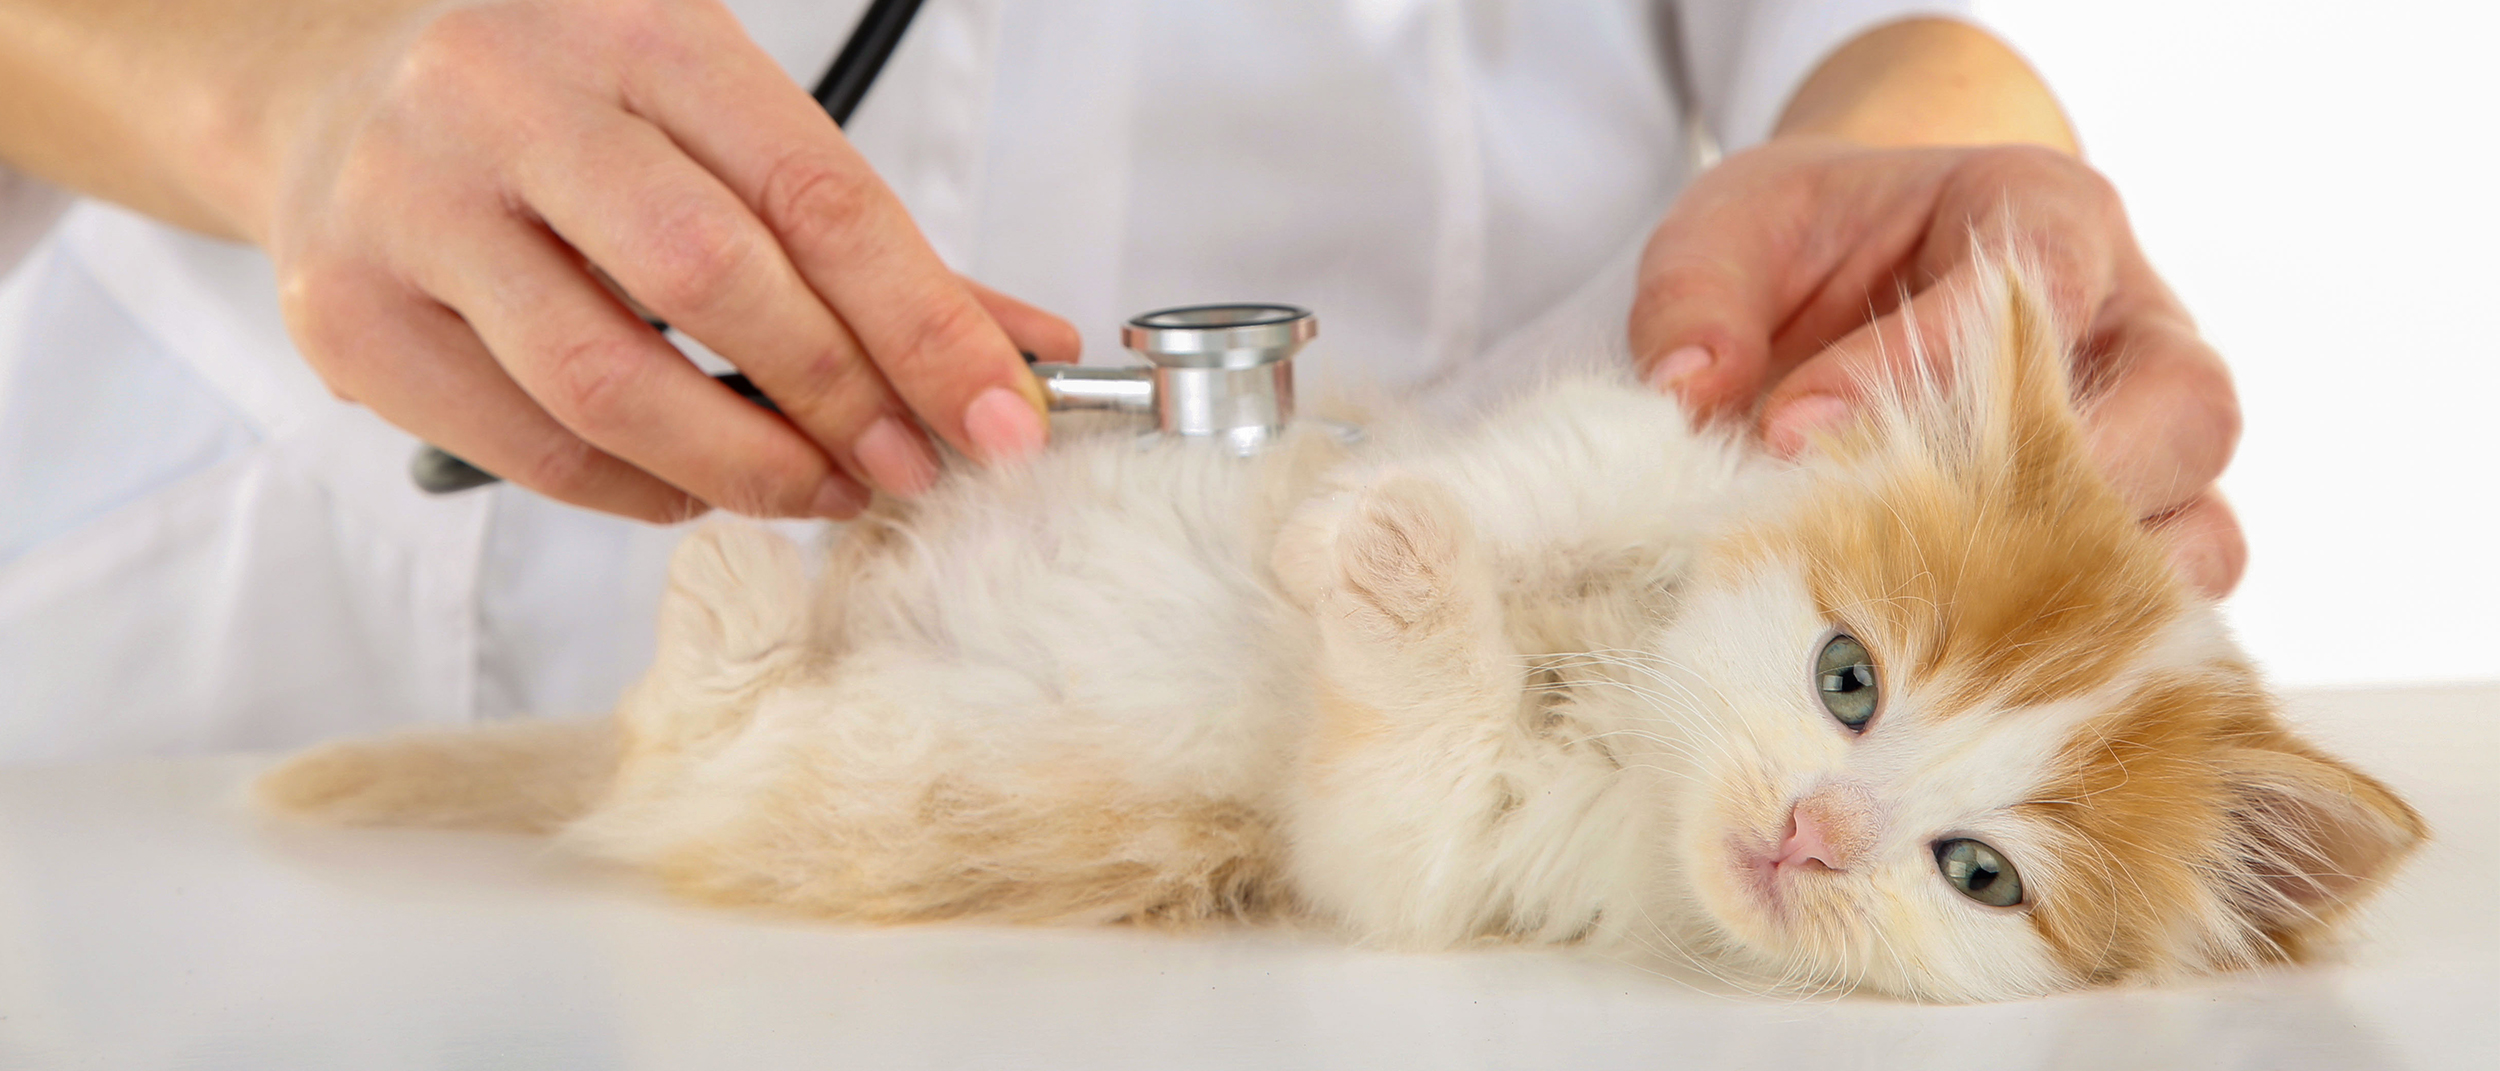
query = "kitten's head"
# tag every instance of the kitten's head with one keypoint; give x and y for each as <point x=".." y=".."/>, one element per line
<point x="1964" y="734"/>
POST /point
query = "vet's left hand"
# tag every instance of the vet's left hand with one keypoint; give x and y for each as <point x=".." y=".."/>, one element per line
<point x="1756" y="294"/>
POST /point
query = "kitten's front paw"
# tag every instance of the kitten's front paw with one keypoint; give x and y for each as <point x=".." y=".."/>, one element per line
<point x="1399" y="554"/>
<point x="1391" y="559"/>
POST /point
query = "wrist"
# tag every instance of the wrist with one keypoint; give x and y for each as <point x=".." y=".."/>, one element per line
<point x="272" y="111"/>
<point x="186" y="110"/>
<point x="1927" y="81"/>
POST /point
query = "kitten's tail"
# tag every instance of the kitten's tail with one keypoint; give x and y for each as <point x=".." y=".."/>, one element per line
<point x="524" y="777"/>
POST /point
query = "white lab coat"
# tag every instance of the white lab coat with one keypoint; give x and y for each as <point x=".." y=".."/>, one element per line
<point x="201" y="549"/>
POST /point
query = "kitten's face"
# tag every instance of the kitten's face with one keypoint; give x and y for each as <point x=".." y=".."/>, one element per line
<point x="1953" y="730"/>
<point x="1873" y="800"/>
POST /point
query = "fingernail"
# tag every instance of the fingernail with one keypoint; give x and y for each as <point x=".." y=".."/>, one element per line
<point x="1679" y="366"/>
<point x="839" y="498"/>
<point x="896" y="458"/>
<point x="1003" y="426"/>
<point x="1787" y="431"/>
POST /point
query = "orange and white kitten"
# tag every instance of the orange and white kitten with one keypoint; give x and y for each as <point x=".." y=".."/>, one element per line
<point x="1924" y="712"/>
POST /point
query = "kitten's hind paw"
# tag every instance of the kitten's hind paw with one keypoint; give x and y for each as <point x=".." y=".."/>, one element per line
<point x="737" y="598"/>
<point x="734" y="623"/>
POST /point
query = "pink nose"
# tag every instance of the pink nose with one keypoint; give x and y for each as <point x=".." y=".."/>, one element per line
<point x="1808" y="842"/>
<point x="1826" y="829"/>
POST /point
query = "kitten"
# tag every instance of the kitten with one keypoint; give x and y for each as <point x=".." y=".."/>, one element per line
<point x="1924" y="712"/>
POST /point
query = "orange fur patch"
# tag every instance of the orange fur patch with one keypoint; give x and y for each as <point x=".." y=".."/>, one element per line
<point x="2139" y="800"/>
<point x="1987" y="562"/>
<point x="2193" y="793"/>
<point x="1974" y="597"/>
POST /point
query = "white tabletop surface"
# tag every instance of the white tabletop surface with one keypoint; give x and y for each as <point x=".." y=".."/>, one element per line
<point x="149" y="920"/>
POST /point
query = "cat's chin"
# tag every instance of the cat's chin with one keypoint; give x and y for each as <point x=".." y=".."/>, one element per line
<point x="1758" y="910"/>
<point x="1780" y="930"/>
<point x="1773" y="889"/>
<point x="1782" y="910"/>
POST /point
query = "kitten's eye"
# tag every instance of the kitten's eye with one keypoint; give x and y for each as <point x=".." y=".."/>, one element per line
<point x="1979" y="872"/>
<point x="1844" y="675"/>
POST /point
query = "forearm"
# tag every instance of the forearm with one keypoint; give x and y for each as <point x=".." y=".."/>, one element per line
<point x="172" y="107"/>
<point x="1927" y="82"/>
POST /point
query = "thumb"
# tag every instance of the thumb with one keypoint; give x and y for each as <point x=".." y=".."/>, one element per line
<point x="1708" y="302"/>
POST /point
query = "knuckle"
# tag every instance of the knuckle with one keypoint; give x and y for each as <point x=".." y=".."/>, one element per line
<point x="2007" y="174"/>
<point x="372" y="164"/>
<point x="450" y="52"/>
<point x="649" y="27"/>
<point x="936" y="339"/>
<point x="460" y="78"/>
<point x="568" y="468"/>
<point x="808" y="199"/>
<point x="2019" y="166"/>
<point x="784" y="488"/>
<point x="651" y="13"/>
<point x="304" y="300"/>
<point x="695" y="265"/>
<point x="2086" y="180"/>
<point x="2066" y="288"/>
<point x="834" y="390"/>
<point x="589" y="383"/>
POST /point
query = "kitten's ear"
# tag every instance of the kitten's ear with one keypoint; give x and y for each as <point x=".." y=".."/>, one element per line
<point x="2313" y="835"/>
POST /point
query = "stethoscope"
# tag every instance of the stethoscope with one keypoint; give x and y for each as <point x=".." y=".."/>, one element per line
<point x="1217" y="373"/>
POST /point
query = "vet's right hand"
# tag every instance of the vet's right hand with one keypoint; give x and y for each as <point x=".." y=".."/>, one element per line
<point x="443" y="183"/>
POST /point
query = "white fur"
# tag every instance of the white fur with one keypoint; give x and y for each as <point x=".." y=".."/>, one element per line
<point x="1111" y="607"/>
<point x="1508" y="682"/>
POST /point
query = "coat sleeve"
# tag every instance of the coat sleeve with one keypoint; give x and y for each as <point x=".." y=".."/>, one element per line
<point x="28" y="208"/>
<point x="1745" y="57"/>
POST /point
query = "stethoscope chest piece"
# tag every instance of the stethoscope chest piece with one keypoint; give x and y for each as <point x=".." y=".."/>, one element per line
<point x="1221" y="373"/>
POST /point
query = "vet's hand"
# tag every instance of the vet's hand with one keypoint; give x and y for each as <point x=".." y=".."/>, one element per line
<point x="1758" y="289"/>
<point x="445" y="196"/>
<point x="1755" y="295"/>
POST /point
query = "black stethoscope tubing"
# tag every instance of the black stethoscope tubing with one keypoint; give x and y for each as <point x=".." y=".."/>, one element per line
<point x="863" y="55"/>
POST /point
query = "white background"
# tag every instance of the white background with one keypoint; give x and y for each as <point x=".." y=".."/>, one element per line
<point x="2320" y="182"/>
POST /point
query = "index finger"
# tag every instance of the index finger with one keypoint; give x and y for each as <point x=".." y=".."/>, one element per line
<point x="1765" y="259"/>
<point x="738" y="115"/>
<point x="1711" y="294"/>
